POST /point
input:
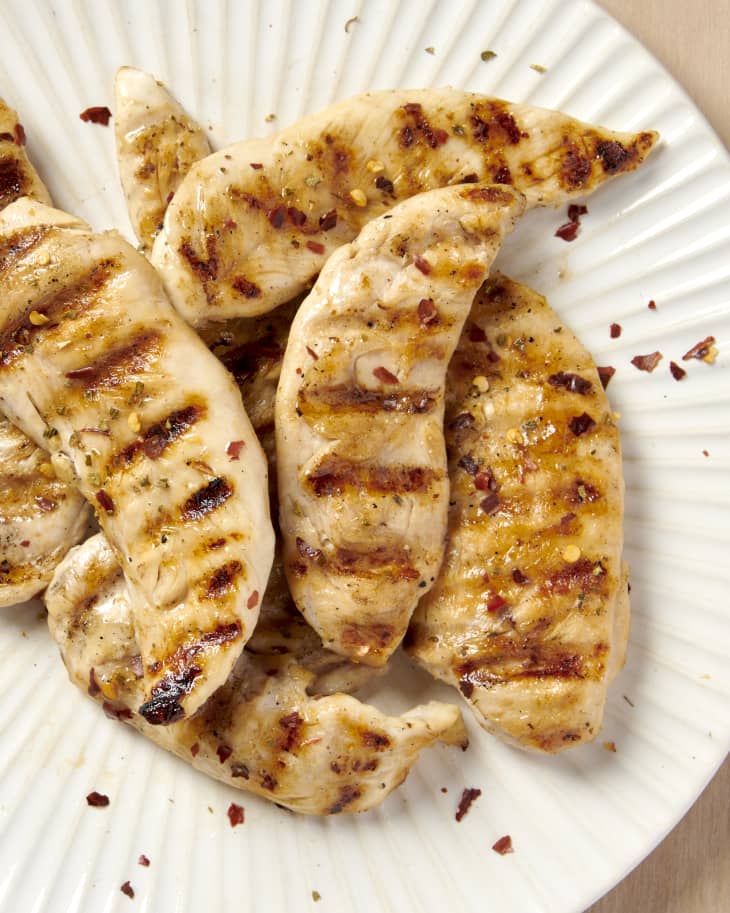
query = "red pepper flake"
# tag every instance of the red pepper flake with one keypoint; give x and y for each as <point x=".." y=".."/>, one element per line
<point x="579" y="424"/>
<point x="19" y="135"/>
<point x="127" y="889"/>
<point x="705" y="453"/>
<point x="573" y="383"/>
<point x="652" y="305"/>
<point x="605" y="374"/>
<point x="700" y="350"/>
<point x="496" y="603"/>
<point x="312" y="353"/>
<point x="503" y="846"/>
<point x="610" y="746"/>
<point x="444" y="789"/>
<point x="98" y="114"/>
<point x="25" y="543"/>
<point x="114" y="712"/>
<point x="490" y="504"/>
<point x="678" y="373"/>
<point x="328" y="220"/>
<point x="235" y="814"/>
<point x="519" y="577"/>
<point x="467" y="797"/>
<point x="97" y="800"/>
<point x="427" y="312"/>
<point x="230" y="224"/>
<point x="384" y="375"/>
<point x="315" y="247"/>
<point x="276" y="216"/>
<point x="194" y="749"/>
<point x="423" y="265"/>
<point x="105" y="501"/>
<point x="471" y="178"/>
<point x="384" y="184"/>
<point x="143" y="860"/>
<point x="575" y="212"/>
<point x="253" y="600"/>
<point x="296" y="216"/>
<point x="234" y="449"/>
<point x="485" y="480"/>
<point x="647" y="362"/>
<point x="257" y="166"/>
<point x="224" y="752"/>
<point x="45" y="504"/>
<point x="615" y="330"/>
<point x="568" y="231"/>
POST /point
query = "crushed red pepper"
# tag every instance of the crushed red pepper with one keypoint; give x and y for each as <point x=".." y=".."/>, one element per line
<point x="143" y="860"/>
<point x="678" y="373"/>
<point x="127" y="889"/>
<point x="384" y="375"/>
<point x="234" y="449"/>
<point x="467" y="797"/>
<point x="423" y="265"/>
<point x="315" y="247"/>
<point x="615" y="330"/>
<point x="606" y="373"/>
<point x="503" y="846"/>
<point x="97" y="114"/>
<point x="97" y="800"/>
<point x="236" y="814"/>
<point x="19" y="135"/>
<point x="647" y="362"/>
<point x="700" y="350"/>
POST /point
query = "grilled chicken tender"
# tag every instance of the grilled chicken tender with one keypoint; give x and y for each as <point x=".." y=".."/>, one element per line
<point x="40" y="517"/>
<point x="99" y="369"/>
<point x="262" y="732"/>
<point x="157" y="144"/>
<point x="18" y="177"/>
<point x="363" y="488"/>
<point x="251" y="225"/>
<point x="529" y="615"/>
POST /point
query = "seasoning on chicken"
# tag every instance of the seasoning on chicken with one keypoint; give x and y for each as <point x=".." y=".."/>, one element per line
<point x="157" y="144"/>
<point x="40" y="517"/>
<point x="363" y="487"/>
<point x="131" y="403"/>
<point x="253" y="224"/>
<point x="18" y="177"/>
<point x="529" y="615"/>
<point x="264" y="731"/>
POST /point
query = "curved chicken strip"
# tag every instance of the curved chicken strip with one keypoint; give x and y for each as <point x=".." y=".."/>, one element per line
<point x="40" y="517"/>
<point x="529" y="615"/>
<point x="157" y="144"/>
<point x="18" y="177"/>
<point x="261" y="732"/>
<point x="97" y="367"/>
<point x="251" y="225"/>
<point x="363" y="488"/>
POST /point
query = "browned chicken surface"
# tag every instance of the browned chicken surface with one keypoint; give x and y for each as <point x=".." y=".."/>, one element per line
<point x="363" y="488"/>
<point x="529" y="615"/>
<point x="98" y="369"/>
<point x="251" y="225"/>
<point x="273" y="729"/>
<point x="18" y="177"/>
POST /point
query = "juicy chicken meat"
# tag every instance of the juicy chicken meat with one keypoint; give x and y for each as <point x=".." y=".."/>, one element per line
<point x="252" y="224"/>
<point x="529" y="615"/>
<point x="264" y="731"/>
<point x="157" y="144"/>
<point x="99" y="369"/>
<point x="40" y="517"/>
<point x="363" y="486"/>
<point x="18" y="177"/>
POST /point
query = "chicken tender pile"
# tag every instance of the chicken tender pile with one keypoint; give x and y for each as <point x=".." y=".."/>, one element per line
<point x="312" y="427"/>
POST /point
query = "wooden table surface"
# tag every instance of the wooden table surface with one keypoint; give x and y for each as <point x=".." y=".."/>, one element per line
<point x="690" y="871"/>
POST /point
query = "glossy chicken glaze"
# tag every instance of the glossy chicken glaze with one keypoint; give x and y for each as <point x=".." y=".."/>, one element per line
<point x="363" y="488"/>
<point x="253" y="224"/>
<point x="98" y="369"/>
<point x="529" y="616"/>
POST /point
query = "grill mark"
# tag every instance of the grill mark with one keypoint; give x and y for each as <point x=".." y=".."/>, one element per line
<point x="164" y="705"/>
<point x="17" y="245"/>
<point x="158" y="437"/>
<point x="13" y="180"/>
<point x="334" y="475"/>
<point x="119" y="364"/>
<point x="222" y="580"/>
<point x="342" y="398"/>
<point x="207" y="499"/>
<point x="520" y="661"/>
<point x="64" y="304"/>
<point x="348" y="562"/>
<point x="377" y="636"/>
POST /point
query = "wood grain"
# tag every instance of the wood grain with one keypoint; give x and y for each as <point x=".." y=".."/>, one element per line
<point x="689" y="871"/>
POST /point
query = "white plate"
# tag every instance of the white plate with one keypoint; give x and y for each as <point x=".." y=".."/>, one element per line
<point x="579" y="822"/>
